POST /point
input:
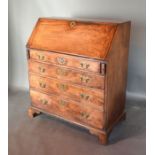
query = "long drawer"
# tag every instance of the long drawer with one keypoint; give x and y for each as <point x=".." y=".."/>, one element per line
<point x="71" y="75"/>
<point x="75" y="92"/>
<point x="68" y="109"/>
<point x="85" y="64"/>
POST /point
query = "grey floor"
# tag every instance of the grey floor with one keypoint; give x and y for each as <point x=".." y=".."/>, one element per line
<point x="44" y="135"/>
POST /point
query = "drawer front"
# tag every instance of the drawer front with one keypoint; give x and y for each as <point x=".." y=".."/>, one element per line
<point x="74" y="76"/>
<point x="75" y="92"/>
<point x="66" y="60"/>
<point x="67" y="109"/>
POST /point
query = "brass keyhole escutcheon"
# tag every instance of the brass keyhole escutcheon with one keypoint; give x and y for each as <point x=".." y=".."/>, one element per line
<point x="61" y="60"/>
<point x="72" y="24"/>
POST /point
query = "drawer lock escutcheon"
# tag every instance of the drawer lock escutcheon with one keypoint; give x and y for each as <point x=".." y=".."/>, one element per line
<point x="72" y="24"/>
<point x="61" y="60"/>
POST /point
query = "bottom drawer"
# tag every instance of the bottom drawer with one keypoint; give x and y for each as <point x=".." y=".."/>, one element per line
<point x="68" y="109"/>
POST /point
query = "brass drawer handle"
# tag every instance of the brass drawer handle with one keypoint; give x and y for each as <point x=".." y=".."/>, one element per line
<point x="84" y="79"/>
<point x="84" y="65"/>
<point x="61" y="60"/>
<point x="44" y="101"/>
<point x="41" y="69"/>
<point x="62" y="103"/>
<point x="84" y="115"/>
<point x="61" y="72"/>
<point x="41" y="57"/>
<point x="62" y="87"/>
<point x="42" y="85"/>
<point x="84" y="96"/>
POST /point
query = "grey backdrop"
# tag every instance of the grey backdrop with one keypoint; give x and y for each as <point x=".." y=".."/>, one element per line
<point x="23" y="15"/>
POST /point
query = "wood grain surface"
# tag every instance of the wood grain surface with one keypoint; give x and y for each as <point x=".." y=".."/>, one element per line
<point x="83" y="38"/>
<point x="116" y="75"/>
<point x="84" y="64"/>
<point x="75" y="92"/>
<point x="78" y="71"/>
<point x="64" y="73"/>
<point x="68" y="109"/>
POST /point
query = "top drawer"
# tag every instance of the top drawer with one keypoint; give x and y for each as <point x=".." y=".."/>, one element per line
<point x="69" y="61"/>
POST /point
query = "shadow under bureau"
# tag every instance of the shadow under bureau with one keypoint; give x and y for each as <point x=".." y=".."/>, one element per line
<point x="78" y="71"/>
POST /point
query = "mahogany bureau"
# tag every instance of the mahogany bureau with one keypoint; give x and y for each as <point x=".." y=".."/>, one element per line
<point x="78" y="72"/>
